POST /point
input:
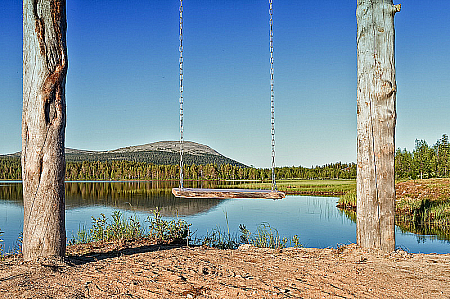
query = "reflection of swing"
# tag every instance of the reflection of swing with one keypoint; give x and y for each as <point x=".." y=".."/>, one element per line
<point x="227" y="193"/>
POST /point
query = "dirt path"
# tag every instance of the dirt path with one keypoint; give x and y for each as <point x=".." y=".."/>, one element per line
<point x="151" y="271"/>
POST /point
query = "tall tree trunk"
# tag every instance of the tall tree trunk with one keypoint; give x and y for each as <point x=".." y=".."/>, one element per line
<point x="376" y="117"/>
<point x="43" y="127"/>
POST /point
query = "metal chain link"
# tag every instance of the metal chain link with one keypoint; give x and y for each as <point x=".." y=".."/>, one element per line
<point x="274" y="185"/>
<point x="181" y="96"/>
<point x="272" y="97"/>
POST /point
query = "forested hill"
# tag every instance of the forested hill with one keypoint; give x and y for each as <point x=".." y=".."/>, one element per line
<point x="158" y="153"/>
<point x="160" y="161"/>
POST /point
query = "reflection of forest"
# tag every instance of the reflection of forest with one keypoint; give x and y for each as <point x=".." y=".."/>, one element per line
<point x="408" y="223"/>
<point x="136" y="195"/>
<point x="11" y="191"/>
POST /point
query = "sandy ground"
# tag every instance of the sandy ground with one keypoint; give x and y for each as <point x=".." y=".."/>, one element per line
<point x="142" y="270"/>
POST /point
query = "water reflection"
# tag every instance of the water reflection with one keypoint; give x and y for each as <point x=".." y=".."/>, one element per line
<point x="406" y="225"/>
<point x="11" y="191"/>
<point x="130" y="195"/>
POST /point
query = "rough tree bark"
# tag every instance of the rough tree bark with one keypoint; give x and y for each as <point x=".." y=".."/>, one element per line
<point x="376" y="118"/>
<point x="43" y="127"/>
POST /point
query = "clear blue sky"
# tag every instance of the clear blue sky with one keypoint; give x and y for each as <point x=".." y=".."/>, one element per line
<point x="122" y="82"/>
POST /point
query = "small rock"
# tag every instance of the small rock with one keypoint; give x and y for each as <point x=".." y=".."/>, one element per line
<point x="203" y="270"/>
<point x="245" y="247"/>
<point x="189" y="296"/>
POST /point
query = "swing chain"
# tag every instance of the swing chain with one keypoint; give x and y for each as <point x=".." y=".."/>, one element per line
<point x="272" y="97"/>
<point x="181" y="96"/>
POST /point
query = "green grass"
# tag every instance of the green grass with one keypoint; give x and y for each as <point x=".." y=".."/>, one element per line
<point x="348" y="200"/>
<point x="313" y="187"/>
<point x="267" y="237"/>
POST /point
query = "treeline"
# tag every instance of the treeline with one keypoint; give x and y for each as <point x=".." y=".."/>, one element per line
<point x="10" y="168"/>
<point x="153" y="157"/>
<point x="424" y="161"/>
<point x="132" y="170"/>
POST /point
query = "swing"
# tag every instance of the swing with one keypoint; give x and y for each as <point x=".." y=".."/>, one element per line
<point x="227" y="193"/>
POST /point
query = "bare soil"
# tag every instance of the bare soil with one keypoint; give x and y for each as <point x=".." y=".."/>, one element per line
<point x="143" y="270"/>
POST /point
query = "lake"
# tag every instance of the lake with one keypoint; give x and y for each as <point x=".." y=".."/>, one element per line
<point x="316" y="220"/>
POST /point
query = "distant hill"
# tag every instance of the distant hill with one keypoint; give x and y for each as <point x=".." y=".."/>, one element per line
<point x="160" y="153"/>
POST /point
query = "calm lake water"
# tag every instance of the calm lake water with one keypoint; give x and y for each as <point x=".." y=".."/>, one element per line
<point x="316" y="220"/>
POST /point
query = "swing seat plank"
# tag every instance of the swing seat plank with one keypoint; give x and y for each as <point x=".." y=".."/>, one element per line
<point x="226" y="193"/>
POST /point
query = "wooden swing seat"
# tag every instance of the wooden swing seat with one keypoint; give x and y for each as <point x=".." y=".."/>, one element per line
<point x="226" y="193"/>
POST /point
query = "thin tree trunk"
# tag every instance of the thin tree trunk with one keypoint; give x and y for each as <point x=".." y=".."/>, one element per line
<point x="376" y="117"/>
<point x="43" y="127"/>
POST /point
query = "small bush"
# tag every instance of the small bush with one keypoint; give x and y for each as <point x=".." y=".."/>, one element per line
<point x="168" y="231"/>
<point x="118" y="228"/>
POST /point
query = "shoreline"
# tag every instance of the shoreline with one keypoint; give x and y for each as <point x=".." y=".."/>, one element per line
<point x="140" y="270"/>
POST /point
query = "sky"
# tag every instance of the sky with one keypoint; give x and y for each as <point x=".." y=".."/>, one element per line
<point x="123" y="79"/>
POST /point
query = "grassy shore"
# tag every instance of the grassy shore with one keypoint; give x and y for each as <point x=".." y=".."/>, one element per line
<point x="422" y="206"/>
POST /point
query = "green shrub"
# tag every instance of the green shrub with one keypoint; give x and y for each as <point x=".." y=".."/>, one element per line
<point x="168" y="231"/>
<point x="118" y="228"/>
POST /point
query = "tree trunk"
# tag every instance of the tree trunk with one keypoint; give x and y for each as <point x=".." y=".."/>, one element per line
<point x="43" y="127"/>
<point x="376" y="117"/>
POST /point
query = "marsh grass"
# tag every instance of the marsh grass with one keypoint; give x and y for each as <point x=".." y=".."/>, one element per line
<point x="117" y="228"/>
<point x="1" y="244"/>
<point x="423" y="207"/>
<point x="348" y="200"/>
<point x="312" y="187"/>
<point x="267" y="237"/>
<point x="218" y="238"/>
<point x="82" y="237"/>
<point x="264" y="237"/>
